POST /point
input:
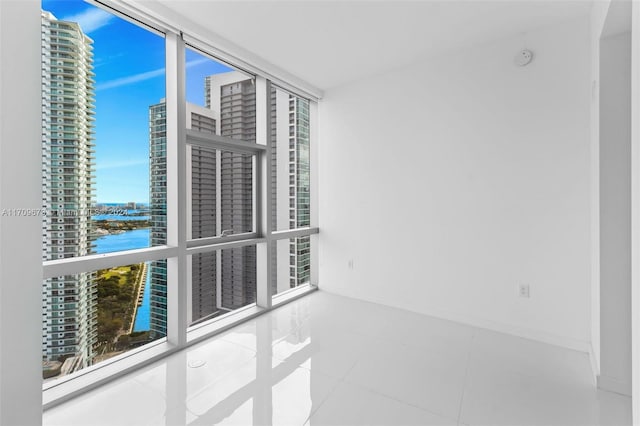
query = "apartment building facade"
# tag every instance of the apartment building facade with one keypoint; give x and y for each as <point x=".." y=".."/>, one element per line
<point x="221" y="196"/>
<point x="68" y="165"/>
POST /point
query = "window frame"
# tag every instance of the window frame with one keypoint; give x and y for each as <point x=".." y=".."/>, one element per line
<point x="179" y="334"/>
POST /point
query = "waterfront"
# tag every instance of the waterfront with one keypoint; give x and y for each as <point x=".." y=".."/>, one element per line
<point x="129" y="240"/>
<point x="129" y="216"/>
<point x="143" y="315"/>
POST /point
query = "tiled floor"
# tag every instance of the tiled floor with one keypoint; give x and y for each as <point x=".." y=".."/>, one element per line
<point x="329" y="360"/>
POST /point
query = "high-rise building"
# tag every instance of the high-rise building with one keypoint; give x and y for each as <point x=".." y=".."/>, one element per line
<point x="158" y="215"/>
<point x="221" y="195"/>
<point x="299" y="197"/>
<point x="69" y="307"/>
<point x="290" y="191"/>
<point x="220" y="282"/>
<point x="204" y="214"/>
<point x="235" y="94"/>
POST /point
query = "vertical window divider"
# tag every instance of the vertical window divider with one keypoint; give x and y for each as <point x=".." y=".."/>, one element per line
<point x="263" y="200"/>
<point x="189" y="209"/>
<point x="314" y="206"/>
<point x="177" y="320"/>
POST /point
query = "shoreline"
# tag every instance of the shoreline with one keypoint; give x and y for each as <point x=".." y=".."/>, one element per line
<point x="137" y="301"/>
<point x="102" y="232"/>
<point x="115" y="227"/>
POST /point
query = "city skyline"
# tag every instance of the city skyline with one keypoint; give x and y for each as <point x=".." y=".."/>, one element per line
<point x="83" y="323"/>
<point x="129" y="66"/>
<point x="221" y="195"/>
<point x="221" y="282"/>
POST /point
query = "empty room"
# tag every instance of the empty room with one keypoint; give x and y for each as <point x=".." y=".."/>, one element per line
<point x="319" y="212"/>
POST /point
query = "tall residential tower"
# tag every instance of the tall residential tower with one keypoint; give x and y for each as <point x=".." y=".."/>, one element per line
<point x="290" y="190"/>
<point x="69" y="302"/>
<point x="204" y="213"/>
<point x="221" y="196"/>
<point x="158" y="215"/>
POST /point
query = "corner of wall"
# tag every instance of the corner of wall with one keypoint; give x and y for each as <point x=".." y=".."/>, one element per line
<point x="598" y="16"/>
<point x="595" y="364"/>
<point x="635" y="224"/>
<point x="611" y="384"/>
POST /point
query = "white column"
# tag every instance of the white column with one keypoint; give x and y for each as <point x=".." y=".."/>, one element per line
<point x="20" y="236"/>
<point x="635" y="210"/>
<point x="615" y="212"/>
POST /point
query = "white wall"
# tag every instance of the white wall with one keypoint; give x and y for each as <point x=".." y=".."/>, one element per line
<point x="451" y="182"/>
<point x="20" y="236"/>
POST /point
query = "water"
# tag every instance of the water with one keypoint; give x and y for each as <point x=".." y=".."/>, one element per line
<point x="143" y="315"/>
<point x="109" y="212"/>
<point x="129" y="240"/>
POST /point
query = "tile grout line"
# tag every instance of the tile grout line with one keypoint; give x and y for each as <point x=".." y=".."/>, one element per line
<point x="338" y="383"/>
<point x="390" y="397"/>
<point x="466" y="376"/>
<point x="394" y="398"/>
<point x="400" y="401"/>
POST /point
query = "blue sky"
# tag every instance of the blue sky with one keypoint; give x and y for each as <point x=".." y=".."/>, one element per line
<point x="130" y="76"/>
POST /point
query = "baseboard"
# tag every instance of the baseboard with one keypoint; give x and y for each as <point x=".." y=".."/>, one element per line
<point x="511" y="329"/>
<point x="614" y="385"/>
<point x="514" y="330"/>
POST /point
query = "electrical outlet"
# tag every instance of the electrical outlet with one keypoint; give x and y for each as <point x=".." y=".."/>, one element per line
<point x="523" y="290"/>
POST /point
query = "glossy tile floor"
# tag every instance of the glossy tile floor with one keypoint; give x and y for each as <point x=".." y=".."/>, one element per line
<point x="329" y="360"/>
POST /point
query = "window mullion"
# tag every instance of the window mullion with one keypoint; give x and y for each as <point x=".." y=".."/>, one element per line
<point x="177" y="320"/>
<point x="207" y="140"/>
<point x="75" y="265"/>
<point x="313" y="187"/>
<point x="292" y="233"/>
<point x="263" y="199"/>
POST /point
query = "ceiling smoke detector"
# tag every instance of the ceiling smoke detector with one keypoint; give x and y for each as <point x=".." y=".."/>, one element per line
<point x="523" y="57"/>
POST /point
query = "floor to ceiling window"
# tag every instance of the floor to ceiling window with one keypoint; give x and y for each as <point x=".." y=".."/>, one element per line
<point x="99" y="74"/>
<point x="175" y="193"/>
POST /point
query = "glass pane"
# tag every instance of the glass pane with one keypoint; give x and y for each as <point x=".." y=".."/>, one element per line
<point x="158" y="216"/>
<point x="292" y="264"/>
<point x="158" y="298"/>
<point x="100" y="74"/>
<point x="222" y="281"/>
<point x="221" y="192"/>
<point x="226" y="97"/>
<point x="93" y="316"/>
<point x="290" y="160"/>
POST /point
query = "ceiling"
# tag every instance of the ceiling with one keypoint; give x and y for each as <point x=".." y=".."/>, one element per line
<point x="330" y="43"/>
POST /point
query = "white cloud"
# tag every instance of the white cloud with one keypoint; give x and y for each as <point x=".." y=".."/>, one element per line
<point x="123" y="81"/>
<point x="91" y="19"/>
<point x="197" y="62"/>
